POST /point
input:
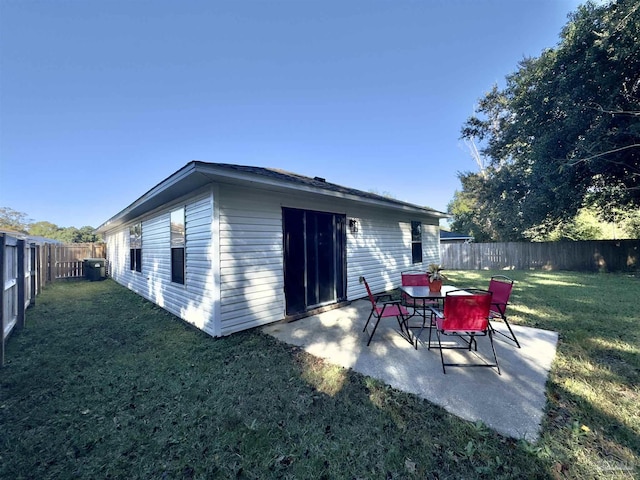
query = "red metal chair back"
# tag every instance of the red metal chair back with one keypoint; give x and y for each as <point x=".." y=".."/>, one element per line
<point x="469" y="313"/>
<point x="414" y="279"/>
<point x="500" y="286"/>
<point x="371" y="297"/>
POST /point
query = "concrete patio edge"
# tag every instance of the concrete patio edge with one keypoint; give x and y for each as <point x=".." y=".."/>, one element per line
<point x="511" y="403"/>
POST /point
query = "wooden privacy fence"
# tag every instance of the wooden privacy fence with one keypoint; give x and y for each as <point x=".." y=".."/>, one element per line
<point x="582" y="256"/>
<point x="26" y="267"/>
<point x="67" y="261"/>
<point x="18" y="277"/>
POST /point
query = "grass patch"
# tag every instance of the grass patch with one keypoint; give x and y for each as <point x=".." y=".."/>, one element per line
<point x="592" y="426"/>
<point x="103" y="384"/>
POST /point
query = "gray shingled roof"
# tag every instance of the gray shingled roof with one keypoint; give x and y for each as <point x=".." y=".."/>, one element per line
<point x="317" y="182"/>
<point x="454" y="236"/>
<point x="196" y="174"/>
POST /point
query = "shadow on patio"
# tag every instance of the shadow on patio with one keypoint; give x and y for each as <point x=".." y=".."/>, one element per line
<point x="511" y="403"/>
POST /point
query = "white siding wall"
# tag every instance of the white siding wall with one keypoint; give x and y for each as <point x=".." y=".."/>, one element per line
<point x="195" y="301"/>
<point x="381" y="249"/>
<point x="118" y="254"/>
<point x="251" y="273"/>
<point x="251" y="252"/>
<point x="247" y="261"/>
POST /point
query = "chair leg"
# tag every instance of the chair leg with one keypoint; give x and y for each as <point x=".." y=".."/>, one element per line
<point x="441" y="354"/>
<point x="430" y="330"/>
<point x="495" y="357"/>
<point x="406" y="329"/>
<point x="374" y="330"/>
<point x="513" y="335"/>
<point x="367" y="324"/>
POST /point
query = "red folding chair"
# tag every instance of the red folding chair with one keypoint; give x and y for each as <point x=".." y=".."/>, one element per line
<point x="416" y="279"/>
<point x="501" y="286"/>
<point x="385" y="310"/>
<point x="465" y="316"/>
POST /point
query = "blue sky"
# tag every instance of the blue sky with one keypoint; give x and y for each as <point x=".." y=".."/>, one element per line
<point x="102" y="100"/>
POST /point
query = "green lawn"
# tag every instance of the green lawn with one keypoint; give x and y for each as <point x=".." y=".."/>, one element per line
<point x="102" y="384"/>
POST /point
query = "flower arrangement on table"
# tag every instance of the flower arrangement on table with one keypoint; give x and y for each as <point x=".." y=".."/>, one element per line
<point x="435" y="276"/>
<point x="434" y="272"/>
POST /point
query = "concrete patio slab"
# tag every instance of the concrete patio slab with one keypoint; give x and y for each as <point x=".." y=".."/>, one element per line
<point x="511" y="403"/>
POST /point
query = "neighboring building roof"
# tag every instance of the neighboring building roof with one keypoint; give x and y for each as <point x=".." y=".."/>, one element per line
<point x="197" y="174"/>
<point x="444" y="235"/>
<point x="30" y="238"/>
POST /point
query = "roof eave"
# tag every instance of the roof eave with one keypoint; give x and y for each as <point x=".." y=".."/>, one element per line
<point x="197" y="174"/>
<point x="210" y="169"/>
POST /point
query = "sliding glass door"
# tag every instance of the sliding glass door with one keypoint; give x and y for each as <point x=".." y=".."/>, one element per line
<point x="314" y="259"/>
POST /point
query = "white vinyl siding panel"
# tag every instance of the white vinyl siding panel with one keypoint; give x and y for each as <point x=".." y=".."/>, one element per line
<point x="200" y="279"/>
<point x="117" y="253"/>
<point x="194" y="301"/>
<point x="251" y="272"/>
<point x="234" y="276"/>
<point x="381" y="249"/>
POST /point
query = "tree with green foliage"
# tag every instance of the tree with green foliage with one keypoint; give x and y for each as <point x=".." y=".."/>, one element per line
<point x="17" y="221"/>
<point x="11" y="219"/>
<point x="44" y="229"/>
<point x="466" y="217"/>
<point x="565" y="131"/>
<point x="64" y="234"/>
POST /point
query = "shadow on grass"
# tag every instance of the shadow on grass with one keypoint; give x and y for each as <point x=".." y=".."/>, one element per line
<point x="103" y="384"/>
<point x="594" y="442"/>
<point x="597" y="369"/>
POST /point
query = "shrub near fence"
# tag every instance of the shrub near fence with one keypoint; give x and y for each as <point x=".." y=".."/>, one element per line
<point x="582" y="256"/>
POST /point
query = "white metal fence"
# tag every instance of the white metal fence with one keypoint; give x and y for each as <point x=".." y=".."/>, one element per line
<point x="18" y="274"/>
<point x="25" y="267"/>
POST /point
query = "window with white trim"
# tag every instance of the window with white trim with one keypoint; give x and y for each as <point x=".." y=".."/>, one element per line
<point x="177" y="246"/>
<point x="416" y="242"/>
<point x="135" y="247"/>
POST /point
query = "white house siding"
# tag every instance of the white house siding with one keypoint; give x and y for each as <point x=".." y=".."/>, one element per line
<point x="251" y="259"/>
<point x="381" y="249"/>
<point x="195" y="301"/>
<point x="234" y="239"/>
<point x="251" y="251"/>
<point x="430" y="244"/>
<point x="117" y="254"/>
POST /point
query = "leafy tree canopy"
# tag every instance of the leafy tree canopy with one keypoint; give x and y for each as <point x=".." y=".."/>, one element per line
<point x="19" y="222"/>
<point x="565" y="131"/>
<point x="11" y="219"/>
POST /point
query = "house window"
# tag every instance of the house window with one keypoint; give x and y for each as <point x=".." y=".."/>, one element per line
<point x="177" y="246"/>
<point x="135" y="247"/>
<point x="416" y="242"/>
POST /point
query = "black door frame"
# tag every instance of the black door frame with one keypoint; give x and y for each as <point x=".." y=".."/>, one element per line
<point x="308" y="276"/>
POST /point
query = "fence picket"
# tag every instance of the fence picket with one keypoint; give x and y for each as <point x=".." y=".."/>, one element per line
<point x="25" y="268"/>
<point x="68" y="259"/>
<point x="582" y="256"/>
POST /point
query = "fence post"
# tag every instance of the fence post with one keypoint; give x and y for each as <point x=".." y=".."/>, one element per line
<point x="3" y="243"/>
<point x="21" y="284"/>
<point x="33" y="273"/>
<point x="48" y="261"/>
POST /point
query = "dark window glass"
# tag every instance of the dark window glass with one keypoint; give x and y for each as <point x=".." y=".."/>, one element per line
<point x="416" y="242"/>
<point x="177" y="265"/>
<point x="177" y="246"/>
<point x="416" y="253"/>
<point x="132" y="258"/>
<point x="135" y="247"/>
<point x="138" y="256"/>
